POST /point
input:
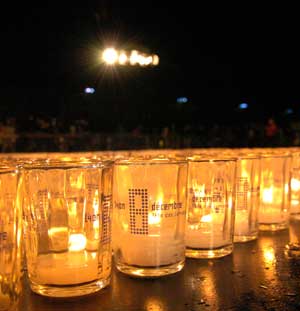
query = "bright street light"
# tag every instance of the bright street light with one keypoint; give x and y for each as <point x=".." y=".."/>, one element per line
<point x="111" y="56"/>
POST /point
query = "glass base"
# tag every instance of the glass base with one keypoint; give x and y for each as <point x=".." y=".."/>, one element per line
<point x="272" y="227"/>
<point x="150" y="272"/>
<point x="209" y="253"/>
<point x="61" y="291"/>
<point x="244" y="238"/>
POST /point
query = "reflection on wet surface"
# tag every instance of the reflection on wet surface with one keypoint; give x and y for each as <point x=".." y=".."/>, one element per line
<point x="257" y="276"/>
<point x="155" y="304"/>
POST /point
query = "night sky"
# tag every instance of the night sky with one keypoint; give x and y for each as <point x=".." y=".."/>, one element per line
<point x="216" y="56"/>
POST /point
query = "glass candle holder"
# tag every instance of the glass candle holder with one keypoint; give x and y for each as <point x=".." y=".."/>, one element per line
<point x="149" y="216"/>
<point x="295" y="184"/>
<point x="10" y="238"/>
<point x="247" y="198"/>
<point x="210" y="207"/>
<point x="274" y="198"/>
<point x="67" y="212"/>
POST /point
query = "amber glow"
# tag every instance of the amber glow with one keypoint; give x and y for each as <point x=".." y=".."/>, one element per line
<point x="77" y="242"/>
<point x="65" y="158"/>
<point x="123" y="58"/>
<point x="269" y="255"/>
<point x="154" y="304"/>
<point x="155" y="60"/>
<point x="244" y="170"/>
<point x="295" y="188"/>
<point x="199" y="190"/>
<point x="155" y="218"/>
<point x="125" y="226"/>
<point x="295" y="184"/>
<point x="267" y="195"/>
<point x="133" y="57"/>
<point x="76" y="181"/>
<point x="207" y="288"/>
<point x="272" y="195"/>
<point x="111" y="56"/>
<point x="206" y="218"/>
<point x="96" y="211"/>
<point x="57" y="231"/>
<point x="72" y="209"/>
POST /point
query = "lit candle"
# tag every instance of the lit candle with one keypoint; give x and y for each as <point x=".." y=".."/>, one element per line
<point x="66" y="268"/>
<point x="271" y="210"/>
<point x="151" y="251"/>
<point x="241" y="226"/>
<point x="161" y="246"/>
<point x="207" y="234"/>
<point x="295" y="195"/>
<point x="72" y="267"/>
<point x="149" y="216"/>
<point x="271" y="215"/>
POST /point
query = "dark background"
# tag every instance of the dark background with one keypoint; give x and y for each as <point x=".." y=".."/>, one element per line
<point x="218" y="56"/>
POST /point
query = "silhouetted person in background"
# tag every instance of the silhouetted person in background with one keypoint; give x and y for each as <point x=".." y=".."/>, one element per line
<point x="271" y="132"/>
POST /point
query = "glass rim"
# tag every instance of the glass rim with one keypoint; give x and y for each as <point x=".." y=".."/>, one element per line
<point x="7" y="169"/>
<point x="47" y="164"/>
<point x="248" y="156"/>
<point x="271" y="155"/>
<point x="151" y="160"/>
<point x="207" y="159"/>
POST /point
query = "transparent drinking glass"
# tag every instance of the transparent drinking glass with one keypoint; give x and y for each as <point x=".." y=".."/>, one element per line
<point x="247" y="198"/>
<point x="67" y="216"/>
<point x="10" y="238"/>
<point x="210" y="207"/>
<point x="274" y="198"/>
<point x="149" y="216"/>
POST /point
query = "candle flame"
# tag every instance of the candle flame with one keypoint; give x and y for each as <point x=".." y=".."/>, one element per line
<point x="267" y="195"/>
<point x="295" y="184"/>
<point x="206" y="218"/>
<point x="244" y="169"/>
<point x="77" y="242"/>
<point x="154" y="218"/>
<point x="199" y="190"/>
<point x="125" y="226"/>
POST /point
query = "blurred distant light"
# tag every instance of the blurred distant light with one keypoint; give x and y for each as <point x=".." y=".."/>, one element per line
<point x="89" y="90"/>
<point x="134" y="57"/>
<point x="110" y="56"/>
<point x="289" y="111"/>
<point x="141" y="60"/>
<point x="155" y="60"/>
<point x="148" y="60"/>
<point x="243" y="106"/>
<point x="123" y="58"/>
<point x="182" y="100"/>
